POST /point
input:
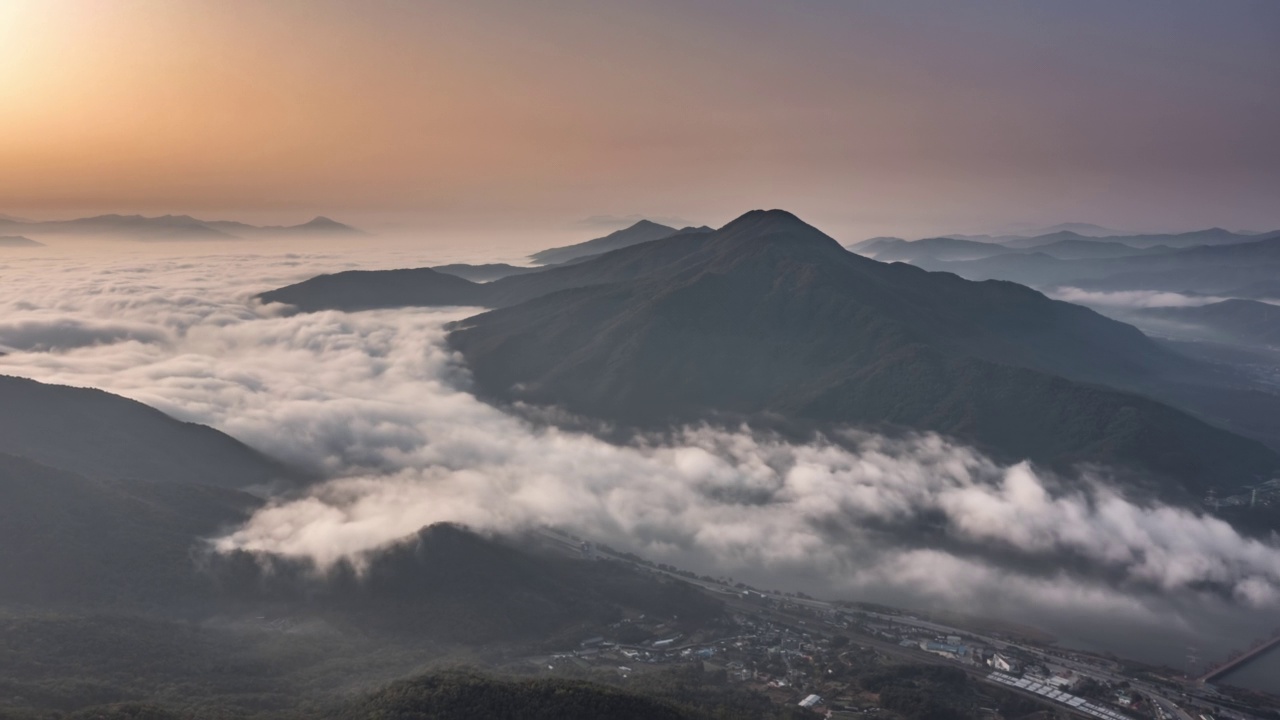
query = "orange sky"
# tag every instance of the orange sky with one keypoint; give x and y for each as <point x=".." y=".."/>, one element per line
<point x="865" y="117"/>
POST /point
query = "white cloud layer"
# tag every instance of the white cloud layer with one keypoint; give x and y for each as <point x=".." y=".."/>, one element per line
<point x="378" y="403"/>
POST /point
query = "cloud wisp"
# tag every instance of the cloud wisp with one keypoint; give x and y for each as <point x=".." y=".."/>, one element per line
<point x="1131" y="299"/>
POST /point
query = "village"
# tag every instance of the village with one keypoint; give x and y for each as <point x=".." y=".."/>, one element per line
<point x="804" y="651"/>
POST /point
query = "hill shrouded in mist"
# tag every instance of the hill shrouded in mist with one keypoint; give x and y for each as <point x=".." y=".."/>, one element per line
<point x="1245" y="322"/>
<point x="69" y="541"/>
<point x="17" y="241"/>
<point x="642" y="231"/>
<point x="1226" y="269"/>
<point x="768" y="315"/>
<point x="954" y="249"/>
<point x="101" y="435"/>
<point x="1194" y="238"/>
<point x="172" y="227"/>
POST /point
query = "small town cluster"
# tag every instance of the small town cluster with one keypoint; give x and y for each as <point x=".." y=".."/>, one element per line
<point x="802" y="650"/>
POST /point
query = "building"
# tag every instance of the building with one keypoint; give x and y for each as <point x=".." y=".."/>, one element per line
<point x="1004" y="664"/>
<point x="811" y="702"/>
<point x="946" y="650"/>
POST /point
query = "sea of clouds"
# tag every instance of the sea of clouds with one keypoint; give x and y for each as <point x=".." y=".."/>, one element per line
<point x="378" y="404"/>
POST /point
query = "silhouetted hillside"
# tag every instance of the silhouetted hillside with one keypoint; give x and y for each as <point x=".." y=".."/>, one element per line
<point x="449" y="583"/>
<point x="896" y="250"/>
<point x="1212" y="236"/>
<point x="101" y="435"/>
<point x="953" y="249"/>
<point x="1216" y="269"/>
<point x="642" y="231"/>
<point x="1245" y="322"/>
<point x="17" y="241"/>
<point x="70" y="541"/>
<point x="372" y="289"/>
<point x="463" y="696"/>
<point x="1095" y="249"/>
<point x="484" y="273"/>
<point x="423" y="287"/>
<point x="770" y="315"/>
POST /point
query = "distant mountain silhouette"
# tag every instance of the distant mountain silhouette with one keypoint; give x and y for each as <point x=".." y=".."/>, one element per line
<point x="769" y="315"/>
<point x="940" y="248"/>
<point x="372" y="289"/>
<point x="1259" y="290"/>
<point x="947" y="249"/>
<point x="426" y="287"/>
<point x="318" y="225"/>
<point x="1212" y="236"/>
<point x="1243" y="322"/>
<point x="105" y="436"/>
<point x="1207" y="269"/>
<point x="1081" y="249"/>
<point x="1085" y="229"/>
<point x="170" y="227"/>
<point x="642" y="231"/>
<point x="14" y="241"/>
<point x="447" y="582"/>
<point x="484" y="273"/>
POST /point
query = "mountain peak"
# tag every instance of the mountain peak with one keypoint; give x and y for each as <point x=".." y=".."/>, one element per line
<point x="767" y="220"/>
<point x="322" y="224"/>
<point x="321" y="220"/>
<point x="640" y="232"/>
<point x="774" y="228"/>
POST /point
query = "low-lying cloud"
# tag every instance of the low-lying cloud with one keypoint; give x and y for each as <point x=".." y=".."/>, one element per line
<point x="377" y="402"/>
<point x="1131" y="298"/>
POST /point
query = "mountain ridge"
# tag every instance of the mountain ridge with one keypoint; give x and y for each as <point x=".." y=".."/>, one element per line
<point x="768" y="314"/>
<point x="16" y="241"/>
<point x="172" y="227"/>
<point x="656" y="331"/>
<point x="640" y="232"/>
<point x="118" y="438"/>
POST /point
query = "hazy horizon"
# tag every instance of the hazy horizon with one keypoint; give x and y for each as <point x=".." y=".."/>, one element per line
<point x="494" y="117"/>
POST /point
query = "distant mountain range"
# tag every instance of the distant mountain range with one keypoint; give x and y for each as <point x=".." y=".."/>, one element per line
<point x="640" y="232"/>
<point x="170" y="227"/>
<point x="426" y="287"/>
<point x="1212" y="236"/>
<point x="952" y="249"/>
<point x="1241" y="322"/>
<point x="1245" y="269"/>
<point x="484" y="273"/>
<point x="15" y="241"/>
<point x="768" y="315"/>
<point x="1076" y="231"/>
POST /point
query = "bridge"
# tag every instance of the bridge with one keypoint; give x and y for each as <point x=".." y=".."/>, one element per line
<point x="1259" y="648"/>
